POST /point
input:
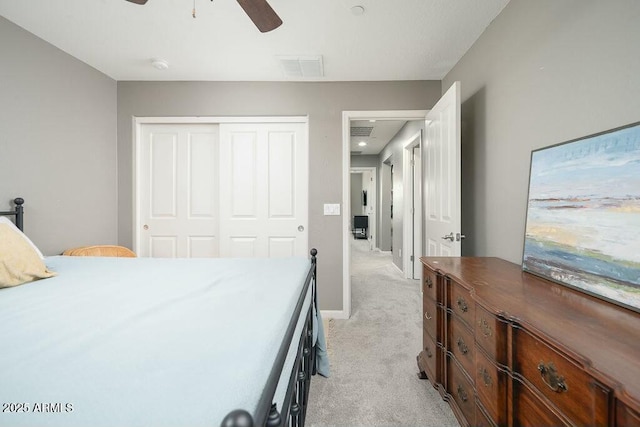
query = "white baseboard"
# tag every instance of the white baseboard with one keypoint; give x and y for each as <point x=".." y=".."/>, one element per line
<point x="333" y="314"/>
<point x="399" y="269"/>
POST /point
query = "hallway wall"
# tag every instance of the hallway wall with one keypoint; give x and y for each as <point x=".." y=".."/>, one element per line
<point x="395" y="149"/>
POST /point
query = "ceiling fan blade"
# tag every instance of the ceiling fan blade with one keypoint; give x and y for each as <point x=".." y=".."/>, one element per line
<point x="137" y="1"/>
<point x="261" y="14"/>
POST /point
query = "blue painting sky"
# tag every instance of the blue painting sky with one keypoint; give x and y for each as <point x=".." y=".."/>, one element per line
<point x="602" y="166"/>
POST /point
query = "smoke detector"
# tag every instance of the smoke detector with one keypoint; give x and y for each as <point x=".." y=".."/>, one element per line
<point x="159" y="64"/>
<point x="357" y="10"/>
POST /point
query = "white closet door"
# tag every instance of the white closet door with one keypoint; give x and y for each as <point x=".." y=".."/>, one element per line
<point x="263" y="190"/>
<point x="178" y="191"/>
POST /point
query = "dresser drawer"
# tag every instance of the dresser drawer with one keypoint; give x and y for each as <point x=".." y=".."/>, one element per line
<point x="428" y="359"/>
<point x="491" y="387"/>
<point x="429" y="283"/>
<point x="491" y="335"/>
<point x="461" y="344"/>
<point x="579" y="396"/>
<point x="529" y="410"/>
<point x="460" y="302"/>
<point x="430" y="317"/>
<point x="482" y="419"/>
<point x="459" y="387"/>
<point x="625" y="416"/>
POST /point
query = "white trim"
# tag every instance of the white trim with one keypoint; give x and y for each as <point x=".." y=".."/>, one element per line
<point x="347" y="116"/>
<point x="137" y="132"/>
<point x="333" y="314"/>
<point x="407" y="218"/>
<point x="135" y="173"/>
<point x="221" y="119"/>
<point x="374" y="202"/>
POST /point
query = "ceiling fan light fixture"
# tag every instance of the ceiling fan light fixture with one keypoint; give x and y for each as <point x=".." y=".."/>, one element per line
<point x="160" y="64"/>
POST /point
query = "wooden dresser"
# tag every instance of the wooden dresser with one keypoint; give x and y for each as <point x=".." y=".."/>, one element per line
<point x="507" y="348"/>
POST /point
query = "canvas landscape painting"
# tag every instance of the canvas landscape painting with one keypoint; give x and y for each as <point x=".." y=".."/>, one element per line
<point x="583" y="215"/>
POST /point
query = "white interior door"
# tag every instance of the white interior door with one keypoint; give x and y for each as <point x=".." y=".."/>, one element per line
<point x="263" y="190"/>
<point x="442" y="151"/>
<point x="177" y="191"/>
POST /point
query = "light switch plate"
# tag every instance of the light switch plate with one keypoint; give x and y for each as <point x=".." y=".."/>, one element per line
<point x="332" y="209"/>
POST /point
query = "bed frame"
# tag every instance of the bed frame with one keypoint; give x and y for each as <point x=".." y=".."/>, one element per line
<point x="294" y="410"/>
<point x="17" y="212"/>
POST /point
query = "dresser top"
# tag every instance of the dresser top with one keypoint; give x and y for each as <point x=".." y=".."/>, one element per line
<point x="596" y="332"/>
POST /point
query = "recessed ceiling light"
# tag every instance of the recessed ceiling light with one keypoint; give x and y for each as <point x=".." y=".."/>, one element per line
<point x="372" y="121"/>
<point x="357" y="10"/>
<point x="362" y="144"/>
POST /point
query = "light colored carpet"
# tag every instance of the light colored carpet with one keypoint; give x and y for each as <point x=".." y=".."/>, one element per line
<point x="373" y="355"/>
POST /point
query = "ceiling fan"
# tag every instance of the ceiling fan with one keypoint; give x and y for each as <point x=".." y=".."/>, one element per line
<point x="262" y="15"/>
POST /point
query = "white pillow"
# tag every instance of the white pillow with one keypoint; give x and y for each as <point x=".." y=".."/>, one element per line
<point x="19" y="263"/>
<point x="5" y="220"/>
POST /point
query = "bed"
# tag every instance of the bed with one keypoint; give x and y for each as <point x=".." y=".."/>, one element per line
<point x="175" y="342"/>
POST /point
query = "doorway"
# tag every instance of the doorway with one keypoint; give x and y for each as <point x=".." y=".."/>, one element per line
<point x="364" y="204"/>
<point x="442" y="136"/>
<point x="412" y="196"/>
<point x="347" y="117"/>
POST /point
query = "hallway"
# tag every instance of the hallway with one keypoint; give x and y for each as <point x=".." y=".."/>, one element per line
<point x="373" y="355"/>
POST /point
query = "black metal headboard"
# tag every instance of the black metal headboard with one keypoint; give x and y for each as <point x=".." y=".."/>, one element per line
<point x="17" y="212"/>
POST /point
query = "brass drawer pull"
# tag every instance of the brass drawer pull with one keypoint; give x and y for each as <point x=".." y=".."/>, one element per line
<point x="486" y="378"/>
<point x="462" y="305"/>
<point x="462" y="346"/>
<point x="551" y="378"/>
<point x="486" y="328"/>
<point x="429" y="354"/>
<point x="426" y="315"/>
<point x="463" y="394"/>
<point x="429" y="282"/>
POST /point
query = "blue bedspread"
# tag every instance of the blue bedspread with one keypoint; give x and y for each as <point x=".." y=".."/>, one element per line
<point x="112" y="342"/>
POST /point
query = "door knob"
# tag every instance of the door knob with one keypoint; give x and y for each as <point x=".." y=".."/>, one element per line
<point x="460" y="237"/>
<point x="449" y="237"/>
<point x="300" y="228"/>
<point x="145" y="227"/>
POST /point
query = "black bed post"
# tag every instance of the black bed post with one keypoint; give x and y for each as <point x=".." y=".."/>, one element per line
<point x="19" y="213"/>
<point x="314" y="252"/>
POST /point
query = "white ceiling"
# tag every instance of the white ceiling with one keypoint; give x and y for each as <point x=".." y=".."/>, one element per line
<point x="381" y="133"/>
<point x="392" y="40"/>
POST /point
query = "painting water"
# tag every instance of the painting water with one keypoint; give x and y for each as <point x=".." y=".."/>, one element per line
<point x="583" y="216"/>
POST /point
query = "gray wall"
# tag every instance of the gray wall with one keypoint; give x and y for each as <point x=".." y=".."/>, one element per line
<point x="57" y="143"/>
<point x="395" y="149"/>
<point x="364" y="161"/>
<point x="384" y="217"/>
<point x="356" y="194"/>
<point x="544" y="72"/>
<point x="322" y="102"/>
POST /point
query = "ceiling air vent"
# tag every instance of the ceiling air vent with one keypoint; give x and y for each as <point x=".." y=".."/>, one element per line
<point x="361" y="131"/>
<point x="301" y="67"/>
